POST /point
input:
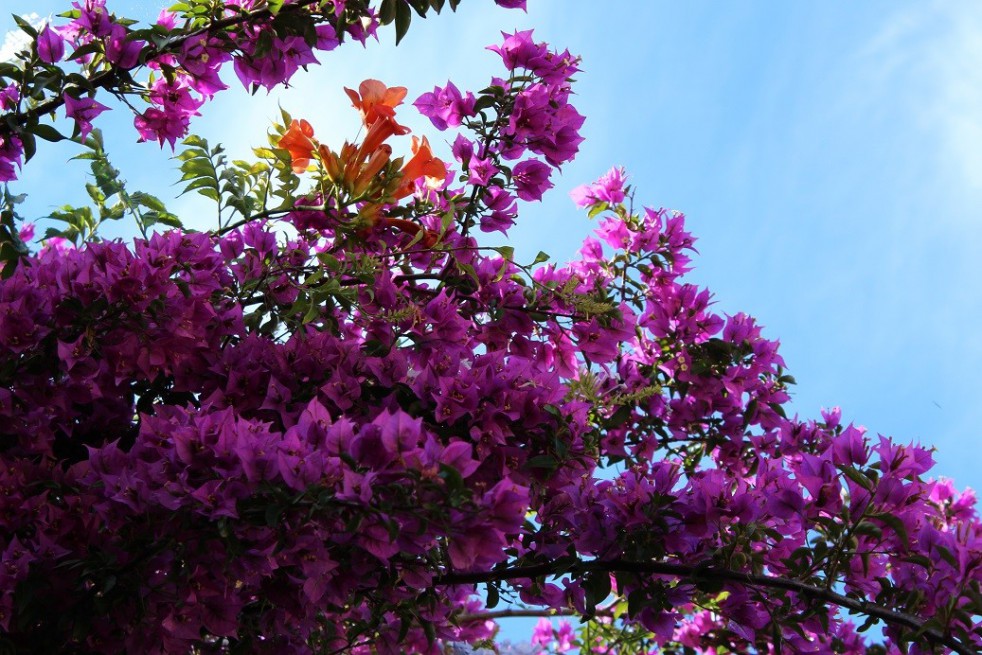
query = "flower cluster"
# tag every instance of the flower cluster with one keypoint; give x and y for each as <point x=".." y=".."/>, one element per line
<point x="184" y="50"/>
<point x="533" y="116"/>
<point x="324" y="438"/>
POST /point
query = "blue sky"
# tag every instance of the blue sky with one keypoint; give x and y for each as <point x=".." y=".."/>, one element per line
<point x="828" y="157"/>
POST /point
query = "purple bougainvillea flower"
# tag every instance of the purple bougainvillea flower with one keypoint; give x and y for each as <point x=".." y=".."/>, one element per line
<point x="83" y="111"/>
<point x="481" y="171"/>
<point x="93" y="17"/>
<point x="157" y="125"/>
<point x="609" y="188"/>
<point x="51" y="45"/>
<point x="9" y="95"/>
<point x="120" y="50"/>
<point x="446" y="106"/>
<point x="531" y="179"/>
<point x="11" y="152"/>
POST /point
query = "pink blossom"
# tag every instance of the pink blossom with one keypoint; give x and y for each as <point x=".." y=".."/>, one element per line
<point x="158" y="125"/>
<point x="609" y="189"/>
<point x="542" y="635"/>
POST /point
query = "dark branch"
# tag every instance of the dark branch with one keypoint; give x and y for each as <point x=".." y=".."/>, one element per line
<point x="494" y="615"/>
<point x="867" y="608"/>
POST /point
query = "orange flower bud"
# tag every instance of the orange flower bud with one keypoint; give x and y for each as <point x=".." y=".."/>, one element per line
<point x="332" y="165"/>
<point x="375" y="163"/>
<point x="370" y="214"/>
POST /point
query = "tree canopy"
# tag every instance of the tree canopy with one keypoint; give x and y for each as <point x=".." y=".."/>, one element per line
<point x="339" y="422"/>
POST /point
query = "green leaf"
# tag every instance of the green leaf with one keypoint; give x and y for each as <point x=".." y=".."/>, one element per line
<point x="87" y="49"/>
<point x="508" y="252"/>
<point x="114" y="213"/>
<point x="47" y="132"/>
<point x="778" y="409"/>
<point x="598" y="208"/>
<point x="485" y="102"/>
<point x="750" y="413"/>
<point x="148" y="201"/>
<point x="543" y="462"/>
<point x="274" y="6"/>
<point x="451" y="477"/>
<point x="209" y="192"/>
<point x="273" y="515"/>
<point x="30" y="145"/>
<point x="894" y="522"/>
<point x="404" y="16"/>
<point x="430" y="631"/>
<point x="420" y="6"/>
<point x="858" y="477"/>
<point x="200" y="183"/>
<point x="596" y="584"/>
<point x="387" y="12"/>
<point x="493" y="596"/>
<point x="24" y="25"/>
<point x="540" y="258"/>
<point x="196" y="141"/>
<point x="198" y="168"/>
<point x="98" y="197"/>
<point x="166" y="218"/>
<point x="868" y="529"/>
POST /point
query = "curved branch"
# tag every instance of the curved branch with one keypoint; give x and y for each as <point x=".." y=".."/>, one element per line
<point x="867" y="608"/>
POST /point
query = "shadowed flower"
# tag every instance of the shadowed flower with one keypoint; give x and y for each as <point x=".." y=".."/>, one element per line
<point x="158" y="125"/>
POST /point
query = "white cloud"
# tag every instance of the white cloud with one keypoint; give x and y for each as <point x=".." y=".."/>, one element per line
<point x="934" y="52"/>
<point x="958" y="106"/>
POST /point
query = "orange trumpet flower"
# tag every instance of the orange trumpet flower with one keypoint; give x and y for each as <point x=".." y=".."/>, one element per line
<point x="373" y="99"/>
<point x="299" y="141"/>
<point x="383" y="127"/>
<point x="422" y="164"/>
